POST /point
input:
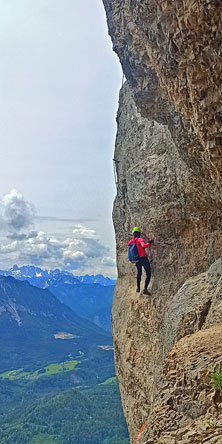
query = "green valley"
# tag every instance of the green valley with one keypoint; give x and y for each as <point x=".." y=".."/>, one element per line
<point x="78" y="416"/>
<point x="57" y="376"/>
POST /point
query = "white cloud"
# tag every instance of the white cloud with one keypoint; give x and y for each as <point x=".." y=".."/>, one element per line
<point x="77" y="255"/>
<point x="82" y="232"/>
<point x="82" y="249"/>
<point x="18" y="213"/>
<point x="109" y="261"/>
<point x="9" y="248"/>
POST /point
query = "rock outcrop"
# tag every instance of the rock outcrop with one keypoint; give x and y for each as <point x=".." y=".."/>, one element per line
<point x="169" y="181"/>
<point x="188" y="410"/>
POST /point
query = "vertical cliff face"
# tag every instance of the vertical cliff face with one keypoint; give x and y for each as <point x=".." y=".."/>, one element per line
<point x="171" y="50"/>
<point x="168" y="152"/>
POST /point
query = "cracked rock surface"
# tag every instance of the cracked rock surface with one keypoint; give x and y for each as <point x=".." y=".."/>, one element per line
<point x="169" y="182"/>
<point x="188" y="409"/>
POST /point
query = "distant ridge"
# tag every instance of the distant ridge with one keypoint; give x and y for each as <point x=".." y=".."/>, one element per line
<point x="96" y="279"/>
<point x="30" y="320"/>
<point x="43" y="278"/>
<point x="88" y="296"/>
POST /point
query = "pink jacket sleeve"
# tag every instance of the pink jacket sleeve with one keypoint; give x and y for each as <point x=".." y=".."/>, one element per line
<point x="143" y="244"/>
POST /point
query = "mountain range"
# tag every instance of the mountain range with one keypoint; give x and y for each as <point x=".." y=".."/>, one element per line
<point x="43" y="278"/>
<point x="88" y="296"/>
<point x="57" y="376"/>
<point x="36" y="329"/>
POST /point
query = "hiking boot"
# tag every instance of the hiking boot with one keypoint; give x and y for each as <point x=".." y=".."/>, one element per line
<point x="138" y="290"/>
<point x="145" y="291"/>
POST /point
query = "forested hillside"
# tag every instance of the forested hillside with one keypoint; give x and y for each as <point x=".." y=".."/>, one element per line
<point x="57" y="377"/>
<point x="87" y="416"/>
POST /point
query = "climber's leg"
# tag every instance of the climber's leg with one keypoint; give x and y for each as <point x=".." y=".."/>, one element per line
<point x="146" y="265"/>
<point x="139" y="274"/>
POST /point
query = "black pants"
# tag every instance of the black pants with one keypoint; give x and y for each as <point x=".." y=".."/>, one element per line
<point x="143" y="262"/>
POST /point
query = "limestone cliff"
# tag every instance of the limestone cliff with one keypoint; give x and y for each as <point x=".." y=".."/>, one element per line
<point x="169" y="182"/>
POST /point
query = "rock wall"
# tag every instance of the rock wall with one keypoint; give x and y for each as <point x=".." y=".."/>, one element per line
<point x="188" y="410"/>
<point x="169" y="181"/>
<point x="171" y="51"/>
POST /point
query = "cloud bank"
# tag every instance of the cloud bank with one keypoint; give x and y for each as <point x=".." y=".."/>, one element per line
<point x="81" y="250"/>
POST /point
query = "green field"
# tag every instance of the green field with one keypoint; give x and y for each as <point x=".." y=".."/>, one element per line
<point x="51" y="369"/>
<point x="109" y="381"/>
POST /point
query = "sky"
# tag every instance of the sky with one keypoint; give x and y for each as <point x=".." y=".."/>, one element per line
<point x="59" y="82"/>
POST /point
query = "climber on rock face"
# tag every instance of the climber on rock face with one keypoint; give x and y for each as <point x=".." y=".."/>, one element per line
<point x="137" y="255"/>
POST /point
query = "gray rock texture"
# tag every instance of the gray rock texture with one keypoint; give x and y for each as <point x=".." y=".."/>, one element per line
<point x="171" y="53"/>
<point x="158" y="191"/>
<point x="197" y="305"/>
<point x="168" y="159"/>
